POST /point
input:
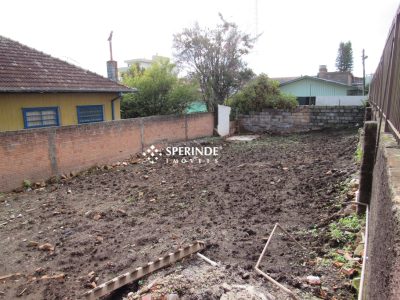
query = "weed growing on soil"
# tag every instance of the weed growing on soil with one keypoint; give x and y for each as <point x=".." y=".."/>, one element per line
<point x="325" y="262"/>
<point x="352" y="222"/>
<point x="337" y="257"/>
<point x="346" y="232"/>
<point x="358" y="154"/>
<point x="344" y="188"/>
<point x="27" y="183"/>
<point x="343" y="231"/>
<point x="314" y="232"/>
<point x="130" y="200"/>
<point x="339" y="235"/>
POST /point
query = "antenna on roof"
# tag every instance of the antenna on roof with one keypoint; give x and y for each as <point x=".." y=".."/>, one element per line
<point x="112" y="70"/>
<point x="256" y="17"/>
<point x="110" y="41"/>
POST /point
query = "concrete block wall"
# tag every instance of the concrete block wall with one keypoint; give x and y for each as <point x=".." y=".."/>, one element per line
<point x="302" y="118"/>
<point x="382" y="279"/>
<point x="37" y="154"/>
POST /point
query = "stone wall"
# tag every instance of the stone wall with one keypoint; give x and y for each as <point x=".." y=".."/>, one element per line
<point x="303" y="118"/>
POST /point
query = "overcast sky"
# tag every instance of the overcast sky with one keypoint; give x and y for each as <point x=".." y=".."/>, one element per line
<point x="297" y="35"/>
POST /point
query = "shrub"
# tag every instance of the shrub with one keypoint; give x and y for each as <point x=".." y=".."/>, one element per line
<point x="285" y="101"/>
<point x="259" y="94"/>
<point x="160" y="91"/>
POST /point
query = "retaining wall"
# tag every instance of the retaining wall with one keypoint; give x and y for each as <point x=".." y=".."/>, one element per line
<point x="382" y="279"/>
<point x="302" y="118"/>
<point x="37" y="154"/>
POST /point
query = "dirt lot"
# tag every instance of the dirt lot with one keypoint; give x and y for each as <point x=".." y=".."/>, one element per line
<point x="111" y="221"/>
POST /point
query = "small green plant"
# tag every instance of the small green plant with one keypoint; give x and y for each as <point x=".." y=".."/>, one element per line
<point x="348" y="248"/>
<point x="339" y="235"/>
<point x="314" y="232"/>
<point x="344" y="187"/>
<point x="350" y="264"/>
<point x="352" y="222"/>
<point x="181" y="205"/>
<point x="343" y="231"/>
<point x="337" y="257"/>
<point x="336" y="233"/>
<point x="130" y="200"/>
<point x="325" y="262"/>
<point x="356" y="283"/>
<point x="27" y="183"/>
<point x="358" y="155"/>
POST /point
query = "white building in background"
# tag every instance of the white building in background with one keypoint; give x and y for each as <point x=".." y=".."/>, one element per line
<point x="142" y="62"/>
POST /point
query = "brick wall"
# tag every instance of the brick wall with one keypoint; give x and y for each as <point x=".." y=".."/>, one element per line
<point x="303" y="118"/>
<point x="38" y="154"/>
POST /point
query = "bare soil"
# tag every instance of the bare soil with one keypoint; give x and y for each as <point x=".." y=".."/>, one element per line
<point x="112" y="221"/>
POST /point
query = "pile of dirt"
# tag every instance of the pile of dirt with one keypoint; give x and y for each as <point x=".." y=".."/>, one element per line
<point x="102" y="224"/>
<point x="194" y="280"/>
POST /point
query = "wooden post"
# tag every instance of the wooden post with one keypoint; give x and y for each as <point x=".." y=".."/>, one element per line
<point x="368" y="114"/>
<point x="367" y="163"/>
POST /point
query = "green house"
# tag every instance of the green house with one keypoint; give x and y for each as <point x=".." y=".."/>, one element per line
<point x="307" y="88"/>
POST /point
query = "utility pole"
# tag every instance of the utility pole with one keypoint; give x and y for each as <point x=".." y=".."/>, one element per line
<point x="363" y="62"/>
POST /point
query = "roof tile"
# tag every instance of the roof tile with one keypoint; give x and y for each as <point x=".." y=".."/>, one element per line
<point x="24" y="69"/>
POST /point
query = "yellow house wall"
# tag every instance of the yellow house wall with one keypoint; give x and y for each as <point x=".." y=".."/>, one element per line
<point x="11" y="117"/>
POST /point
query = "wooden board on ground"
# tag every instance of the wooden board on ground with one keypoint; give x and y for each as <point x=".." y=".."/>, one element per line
<point x="124" y="279"/>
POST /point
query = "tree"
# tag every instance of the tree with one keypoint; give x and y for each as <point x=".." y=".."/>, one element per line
<point x="261" y="93"/>
<point x="344" y="59"/>
<point x="134" y="71"/>
<point x="160" y="91"/>
<point x="214" y="58"/>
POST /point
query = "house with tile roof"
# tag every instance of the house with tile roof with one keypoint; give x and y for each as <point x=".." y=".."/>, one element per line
<point x="327" y="88"/>
<point x="38" y="90"/>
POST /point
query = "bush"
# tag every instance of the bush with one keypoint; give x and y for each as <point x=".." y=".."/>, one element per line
<point x="160" y="91"/>
<point x="259" y="94"/>
<point x="285" y="101"/>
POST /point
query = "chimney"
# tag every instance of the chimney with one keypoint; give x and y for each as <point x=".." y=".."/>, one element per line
<point x="112" y="70"/>
<point x="322" y="71"/>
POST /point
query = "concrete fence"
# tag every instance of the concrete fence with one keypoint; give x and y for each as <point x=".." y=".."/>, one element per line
<point x="340" y="100"/>
<point x="382" y="279"/>
<point x="38" y="154"/>
<point x="302" y="118"/>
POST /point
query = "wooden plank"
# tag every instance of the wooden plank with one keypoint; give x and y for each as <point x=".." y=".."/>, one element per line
<point x="124" y="279"/>
<point x="10" y="276"/>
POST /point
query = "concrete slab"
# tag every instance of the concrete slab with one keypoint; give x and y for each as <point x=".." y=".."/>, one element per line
<point x="242" y="138"/>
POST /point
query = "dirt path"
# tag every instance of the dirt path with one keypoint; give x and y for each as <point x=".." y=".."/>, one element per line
<point x="113" y="220"/>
